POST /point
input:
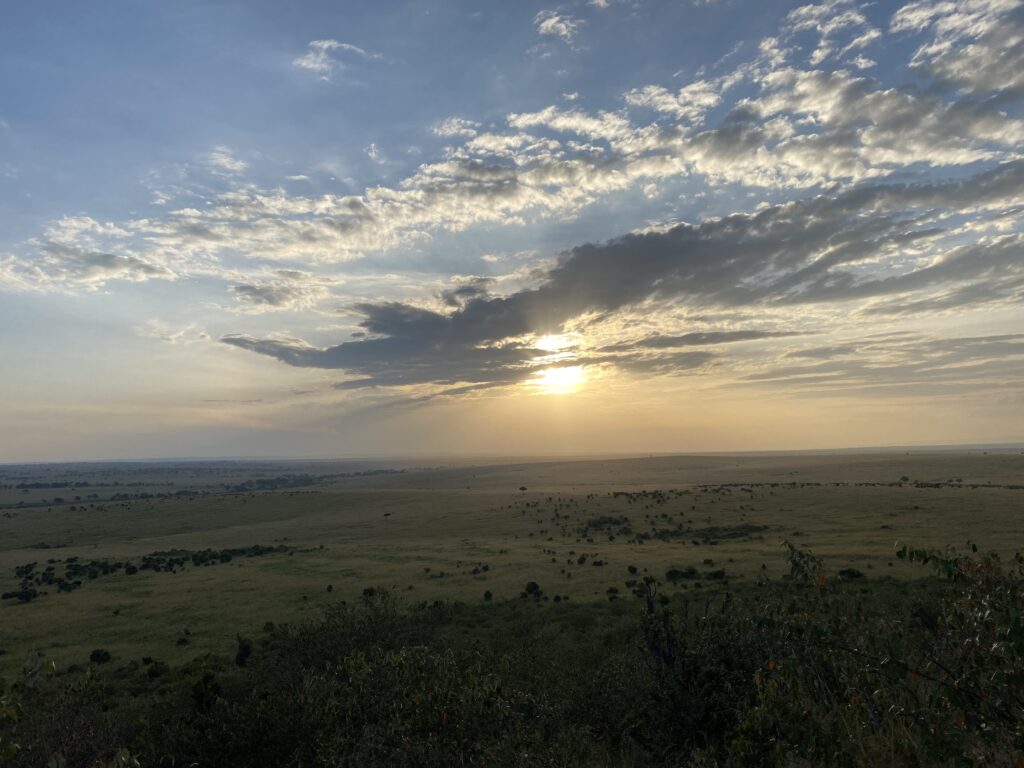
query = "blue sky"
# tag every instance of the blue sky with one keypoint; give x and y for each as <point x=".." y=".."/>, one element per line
<point x="347" y="228"/>
<point x="99" y="96"/>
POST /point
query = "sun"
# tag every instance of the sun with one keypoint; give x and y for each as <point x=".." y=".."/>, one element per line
<point x="560" y="381"/>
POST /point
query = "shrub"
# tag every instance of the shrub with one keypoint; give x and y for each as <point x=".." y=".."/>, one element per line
<point x="678" y="574"/>
<point x="800" y="672"/>
<point x="243" y="652"/>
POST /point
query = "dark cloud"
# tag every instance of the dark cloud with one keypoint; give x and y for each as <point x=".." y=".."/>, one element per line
<point x="472" y="288"/>
<point x="819" y="250"/>
<point x="416" y="354"/>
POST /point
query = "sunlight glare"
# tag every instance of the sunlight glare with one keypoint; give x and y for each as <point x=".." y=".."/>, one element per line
<point x="553" y="342"/>
<point x="560" y="381"/>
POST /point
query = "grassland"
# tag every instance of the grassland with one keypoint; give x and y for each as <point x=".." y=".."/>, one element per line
<point x="454" y="532"/>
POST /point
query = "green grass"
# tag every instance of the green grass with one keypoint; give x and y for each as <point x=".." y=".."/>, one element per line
<point x="386" y="530"/>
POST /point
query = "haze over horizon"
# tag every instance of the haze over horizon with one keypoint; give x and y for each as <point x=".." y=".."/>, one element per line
<point x="588" y="227"/>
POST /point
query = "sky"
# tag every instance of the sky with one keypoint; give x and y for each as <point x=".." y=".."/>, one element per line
<point x="339" y="229"/>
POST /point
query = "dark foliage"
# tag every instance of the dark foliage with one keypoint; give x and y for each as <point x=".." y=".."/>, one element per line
<point x="809" y="671"/>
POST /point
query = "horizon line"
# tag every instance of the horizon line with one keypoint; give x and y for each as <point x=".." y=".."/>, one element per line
<point x="536" y="457"/>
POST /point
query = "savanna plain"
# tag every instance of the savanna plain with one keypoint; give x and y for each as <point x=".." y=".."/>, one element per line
<point x="671" y="610"/>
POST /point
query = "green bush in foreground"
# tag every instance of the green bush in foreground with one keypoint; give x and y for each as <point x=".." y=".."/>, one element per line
<point x="810" y="671"/>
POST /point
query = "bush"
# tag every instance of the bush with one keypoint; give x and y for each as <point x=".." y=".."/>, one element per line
<point x="675" y="575"/>
<point x="807" y="671"/>
<point x="243" y="652"/>
<point x="532" y="589"/>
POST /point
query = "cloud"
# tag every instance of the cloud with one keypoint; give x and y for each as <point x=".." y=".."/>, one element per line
<point x="291" y="290"/>
<point x="222" y="161"/>
<point x="975" y="45"/>
<point x="320" y="59"/>
<point x="70" y="230"/>
<point x="795" y="129"/>
<point x="690" y="103"/>
<point x="829" y="19"/>
<point x="841" y="241"/>
<point x="1008" y="290"/>
<point x="824" y="353"/>
<point x="456" y="126"/>
<point x="698" y="339"/>
<point x="466" y="289"/>
<point x="71" y="256"/>
<point x="819" y="250"/>
<point x="58" y="265"/>
<point x="607" y="126"/>
<point x="155" y="329"/>
<point x="914" y="366"/>
<point x="858" y="131"/>
<point x="885" y="251"/>
<point x="401" y="359"/>
<point x="553" y="23"/>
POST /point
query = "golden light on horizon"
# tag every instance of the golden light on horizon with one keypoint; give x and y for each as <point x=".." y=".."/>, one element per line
<point x="560" y="381"/>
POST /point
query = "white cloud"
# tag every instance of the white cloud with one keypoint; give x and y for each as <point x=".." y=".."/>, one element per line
<point x="795" y="129"/>
<point x="826" y="17"/>
<point x="456" y="126"/>
<point x="374" y="153"/>
<point x="607" y="126"/>
<point x="830" y="19"/>
<point x="60" y="266"/>
<point x="156" y="329"/>
<point x="221" y="160"/>
<point x="876" y="128"/>
<point x="70" y="230"/>
<point x="285" y="289"/>
<point x="862" y="40"/>
<point x="689" y="103"/>
<point x="553" y="23"/>
<point x="319" y="58"/>
<point x="977" y="45"/>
